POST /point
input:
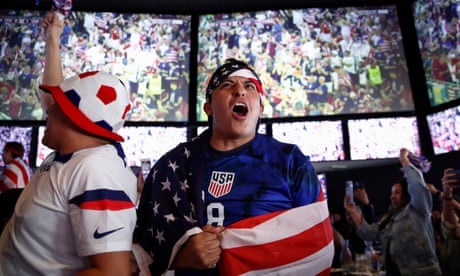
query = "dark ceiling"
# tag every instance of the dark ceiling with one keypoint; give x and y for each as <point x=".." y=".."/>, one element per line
<point x="190" y="6"/>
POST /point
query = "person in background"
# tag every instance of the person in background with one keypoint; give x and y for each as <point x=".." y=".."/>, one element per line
<point x="342" y="253"/>
<point x="231" y="177"/>
<point x="77" y="215"/>
<point x="16" y="173"/>
<point x="436" y="217"/>
<point x="450" y="254"/>
<point x="406" y="232"/>
<point x="345" y="226"/>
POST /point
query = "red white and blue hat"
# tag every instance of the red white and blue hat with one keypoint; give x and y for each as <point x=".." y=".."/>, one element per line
<point x="96" y="102"/>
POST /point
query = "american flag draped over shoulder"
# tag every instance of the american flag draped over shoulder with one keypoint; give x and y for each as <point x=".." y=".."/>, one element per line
<point x="167" y="206"/>
<point x="259" y="246"/>
<point x="172" y="196"/>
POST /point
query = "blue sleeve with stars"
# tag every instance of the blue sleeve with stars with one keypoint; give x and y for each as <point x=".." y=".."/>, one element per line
<point x="167" y="207"/>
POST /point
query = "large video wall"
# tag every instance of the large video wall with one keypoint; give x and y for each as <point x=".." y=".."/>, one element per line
<point x="335" y="77"/>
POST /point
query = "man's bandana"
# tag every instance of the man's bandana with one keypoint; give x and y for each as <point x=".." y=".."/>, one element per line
<point x="233" y="69"/>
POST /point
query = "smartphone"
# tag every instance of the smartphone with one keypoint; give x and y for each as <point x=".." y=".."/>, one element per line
<point x="349" y="191"/>
<point x="456" y="186"/>
<point x="456" y="183"/>
<point x="145" y="167"/>
<point x="357" y="185"/>
<point x="457" y="174"/>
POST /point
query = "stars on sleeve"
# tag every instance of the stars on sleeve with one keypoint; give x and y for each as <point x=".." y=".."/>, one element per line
<point x="155" y="208"/>
<point x="184" y="185"/>
<point x="173" y="165"/>
<point x="150" y="231"/>
<point x="187" y="152"/>
<point x="190" y="218"/>
<point x="155" y="171"/>
<point x="192" y="207"/>
<point x="169" y="218"/>
<point x="160" y="236"/>
<point x="166" y="185"/>
<point x="176" y="199"/>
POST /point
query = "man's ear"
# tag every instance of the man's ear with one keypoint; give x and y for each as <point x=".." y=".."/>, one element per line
<point x="207" y="108"/>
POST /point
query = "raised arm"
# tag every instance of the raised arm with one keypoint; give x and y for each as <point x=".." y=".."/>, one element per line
<point x="53" y="26"/>
<point x="419" y="192"/>
<point x="366" y="206"/>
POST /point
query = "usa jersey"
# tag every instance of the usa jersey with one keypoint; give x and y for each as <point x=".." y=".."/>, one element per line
<point x="193" y="185"/>
<point x="75" y="206"/>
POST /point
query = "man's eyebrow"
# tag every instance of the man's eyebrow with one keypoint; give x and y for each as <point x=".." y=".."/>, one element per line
<point x="245" y="82"/>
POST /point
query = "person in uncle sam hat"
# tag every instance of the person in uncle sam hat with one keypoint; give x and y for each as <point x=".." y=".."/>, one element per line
<point x="77" y="214"/>
<point x="231" y="200"/>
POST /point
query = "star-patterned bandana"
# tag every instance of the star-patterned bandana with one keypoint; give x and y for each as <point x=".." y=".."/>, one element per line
<point x="233" y="69"/>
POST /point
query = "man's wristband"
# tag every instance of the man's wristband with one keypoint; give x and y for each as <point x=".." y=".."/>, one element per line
<point x="447" y="198"/>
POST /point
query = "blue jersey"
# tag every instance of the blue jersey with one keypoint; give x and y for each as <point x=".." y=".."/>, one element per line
<point x="193" y="185"/>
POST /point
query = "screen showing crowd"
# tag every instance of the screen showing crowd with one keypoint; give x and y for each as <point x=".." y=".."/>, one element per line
<point x="377" y="138"/>
<point x="315" y="61"/>
<point x="141" y="143"/>
<point x="19" y="134"/>
<point x="445" y="130"/>
<point x="438" y="30"/>
<point x="320" y="140"/>
<point x="149" y="53"/>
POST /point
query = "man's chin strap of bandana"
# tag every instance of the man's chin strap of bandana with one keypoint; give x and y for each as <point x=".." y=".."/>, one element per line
<point x="233" y="68"/>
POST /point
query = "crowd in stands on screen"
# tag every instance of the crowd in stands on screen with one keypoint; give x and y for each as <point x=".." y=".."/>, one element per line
<point x="345" y="51"/>
<point x="437" y="28"/>
<point x="98" y="41"/>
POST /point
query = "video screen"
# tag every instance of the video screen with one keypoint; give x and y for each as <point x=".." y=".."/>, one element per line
<point x="19" y="134"/>
<point x="150" y="143"/>
<point x="150" y="53"/>
<point x="142" y="143"/>
<point x="378" y="138"/>
<point x="437" y="27"/>
<point x="321" y="140"/>
<point x="314" y="61"/>
<point x="42" y="150"/>
<point x="445" y="130"/>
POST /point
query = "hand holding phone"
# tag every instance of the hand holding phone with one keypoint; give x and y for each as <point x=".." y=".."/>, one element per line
<point x="457" y="175"/>
<point x="455" y="185"/>
<point x="450" y="181"/>
<point x="453" y="175"/>
<point x="349" y="192"/>
<point x="145" y="166"/>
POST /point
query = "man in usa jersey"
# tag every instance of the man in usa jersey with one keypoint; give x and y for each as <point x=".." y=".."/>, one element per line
<point x="232" y="201"/>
